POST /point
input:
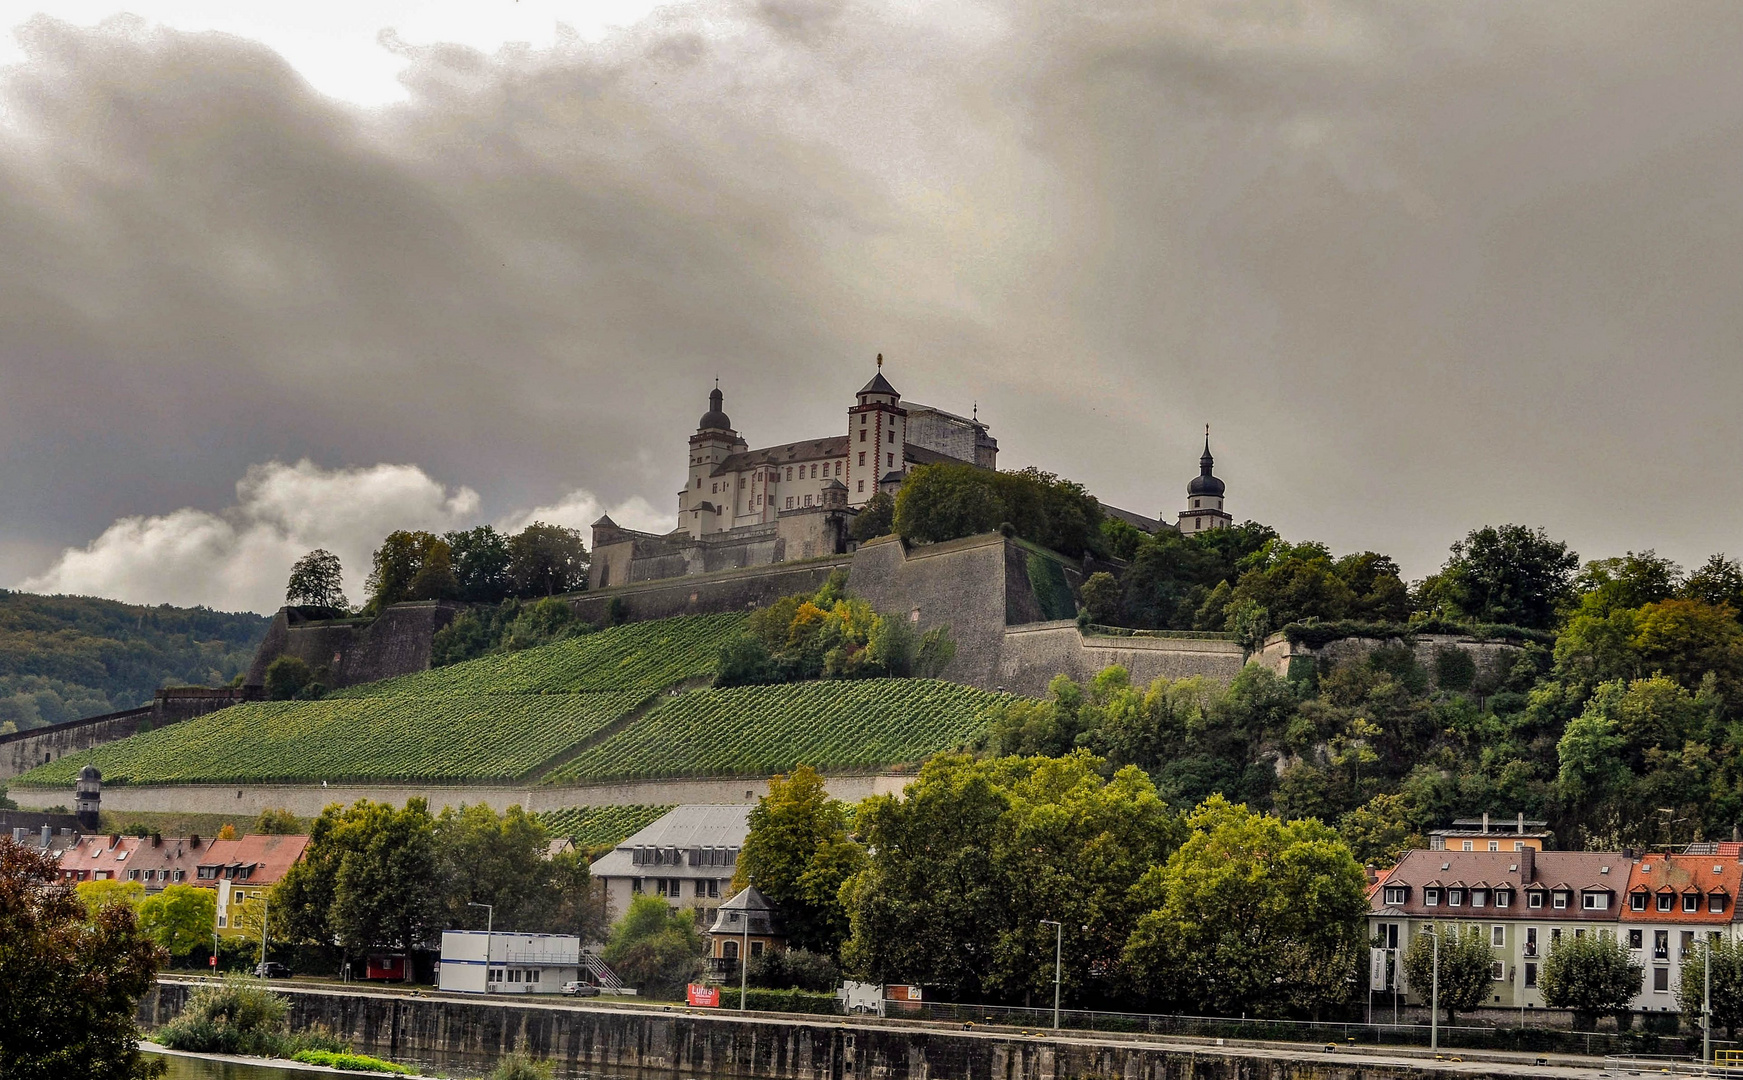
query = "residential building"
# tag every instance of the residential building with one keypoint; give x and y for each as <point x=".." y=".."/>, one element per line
<point x="1674" y="903"/>
<point x="745" y="925"/>
<point x="242" y="871"/>
<point x="1477" y="834"/>
<point x="1524" y="901"/>
<point x="154" y="862"/>
<point x="475" y="962"/>
<point x="686" y="857"/>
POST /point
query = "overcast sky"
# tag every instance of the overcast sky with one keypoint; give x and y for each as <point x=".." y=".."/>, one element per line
<point x="293" y="277"/>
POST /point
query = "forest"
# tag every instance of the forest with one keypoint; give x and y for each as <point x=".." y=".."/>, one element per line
<point x="66" y="657"/>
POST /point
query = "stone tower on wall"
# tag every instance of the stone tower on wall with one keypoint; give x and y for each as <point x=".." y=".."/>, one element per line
<point x="88" y="798"/>
<point x="877" y="440"/>
<point x="702" y="506"/>
<point x="1204" y="497"/>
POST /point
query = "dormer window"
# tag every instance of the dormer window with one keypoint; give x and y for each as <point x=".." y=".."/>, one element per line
<point x="1664" y="901"/>
<point x="1534" y="899"/>
<point x="1716" y="902"/>
<point x="1559" y="900"/>
<point x="1596" y="901"/>
<point x="1637" y="901"/>
<point x="1691" y="901"/>
<point x="1455" y="897"/>
<point x="1395" y="894"/>
<point x="1503" y="898"/>
<point x="1431" y="897"/>
<point x="1479" y="897"/>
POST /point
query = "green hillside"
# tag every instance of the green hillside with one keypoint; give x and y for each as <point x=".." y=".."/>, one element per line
<point x="66" y="657"/>
<point x="602" y="826"/>
<point x="573" y="704"/>
<point x="759" y="730"/>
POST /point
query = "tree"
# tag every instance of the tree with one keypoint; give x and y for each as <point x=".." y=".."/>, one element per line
<point x="545" y="560"/>
<point x="655" y="947"/>
<point x="1101" y="598"/>
<point x="480" y="559"/>
<point x="410" y="566"/>
<point x="70" y="981"/>
<point x="1506" y="574"/>
<point x="876" y="518"/>
<point x="1727" y="984"/>
<point x="317" y="580"/>
<point x="363" y="881"/>
<point x="961" y="870"/>
<point x="1590" y="974"/>
<point x="180" y="918"/>
<point x="799" y="854"/>
<point x="1467" y="963"/>
<point x="287" y="677"/>
<point x="498" y="859"/>
<point x="1718" y="583"/>
<point x="943" y="502"/>
<point x="1379" y="830"/>
<point x="1632" y="581"/>
<point x="1251" y="914"/>
<point x="278" y="822"/>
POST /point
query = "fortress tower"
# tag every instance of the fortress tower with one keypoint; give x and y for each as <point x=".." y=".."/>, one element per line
<point x="1204" y="497"/>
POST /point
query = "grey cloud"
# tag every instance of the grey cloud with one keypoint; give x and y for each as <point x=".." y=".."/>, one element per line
<point x="1424" y="266"/>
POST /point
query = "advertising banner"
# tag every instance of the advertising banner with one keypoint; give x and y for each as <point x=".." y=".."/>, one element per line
<point x="707" y="997"/>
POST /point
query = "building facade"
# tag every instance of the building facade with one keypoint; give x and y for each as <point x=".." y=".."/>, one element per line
<point x="476" y="962"/>
<point x="686" y="858"/>
<point x="1522" y="901"/>
<point x="242" y="871"/>
<point x="1204" y="497"/>
<point x="1480" y="834"/>
<point x="744" y="927"/>
<point x="1674" y="905"/>
<point x="153" y="862"/>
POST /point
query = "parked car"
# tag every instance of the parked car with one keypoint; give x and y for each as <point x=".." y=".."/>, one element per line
<point x="272" y="969"/>
<point x="580" y="989"/>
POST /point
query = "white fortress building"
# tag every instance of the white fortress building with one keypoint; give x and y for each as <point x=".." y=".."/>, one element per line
<point x="741" y="507"/>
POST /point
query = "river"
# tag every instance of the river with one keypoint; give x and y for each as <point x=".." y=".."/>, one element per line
<point x="192" y="1068"/>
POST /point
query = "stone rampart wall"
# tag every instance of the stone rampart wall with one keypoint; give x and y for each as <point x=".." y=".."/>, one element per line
<point x="607" y="1040"/>
<point x="1035" y="653"/>
<point x="1279" y="653"/>
<point x="732" y="590"/>
<point x="307" y="800"/>
<point x="25" y="750"/>
<point x="396" y="642"/>
<point x="960" y="584"/>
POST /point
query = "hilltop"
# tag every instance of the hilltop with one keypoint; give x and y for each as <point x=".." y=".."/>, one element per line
<point x="625" y="702"/>
<point x="66" y="657"/>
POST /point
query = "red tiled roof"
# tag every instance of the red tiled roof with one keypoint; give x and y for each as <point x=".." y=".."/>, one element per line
<point x="1678" y="875"/>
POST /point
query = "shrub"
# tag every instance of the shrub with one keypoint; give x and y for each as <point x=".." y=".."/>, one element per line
<point x="794" y="969"/>
<point x="286" y="677"/>
<point x="787" y="1001"/>
<point x="359" y="1062"/>
<point x="238" y="1016"/>
<point x="519" y="1066"/>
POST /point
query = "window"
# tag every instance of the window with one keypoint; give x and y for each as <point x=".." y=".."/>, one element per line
<point x="179" y="874"/>
<point x="862" y="485"/>
<point x="1195" y="504"/>
<point x="1530" y="974"/>
<point x="1531" y="941"/>
<point x="1394" y="894"/>
<point x="789" y="505"/>
<point x="1503" y="897"/>
<point x="1497" y="936"/>
<point x="729" y="950"/>
<point x="1431" y="897"/>
<point x="1554" y="936"/>
<point x="1637" y="901"/>
<point x="862" y="432"/>
<point x="1579" y="934"/>
<point x="1595" y="901"/>
<point x="756" y="949"/>
<point x="1534" y="899"/>
<point x="132" y="875"/>
<point x="838" y="467"/>
<point x="1518" y="845"/>
<point x="892" y="460"/>
<point x="1389" y="936"/>
<point x="1469" y="846"/>
<point x="220" y="920"/>
<point x="789" y="472"/>
<point x="635" y="885"/>
<point x="1455" y="897"/>
<point x="514" y="974"/>
<point x="1661" y="944"/>
<point x="1479" y="897"/>
<point x="713" y="489"/>
<point x="862" y="419"/>
<point x="1716" y="902"/>
<point x="1664" y="901"/>
<point x="534" y="974"/>
<point x="1498" y="971"/>
<point x="1688" y="942"/>
<point x="713" y="887"/>
<point x="1691" y="901"/>
<point x="1661" y="980"/>
<point x="807" y="500"/>
<point x="862" y="459"/>
<point x="1560" y="900"/>
<point x="892" y="435"/>
<point x="1636" y="938"/>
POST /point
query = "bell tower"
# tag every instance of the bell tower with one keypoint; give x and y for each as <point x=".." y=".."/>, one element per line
<point x="1204" y="497"/>
<point x="877" y="440"/>
<point x="700" y="509"/>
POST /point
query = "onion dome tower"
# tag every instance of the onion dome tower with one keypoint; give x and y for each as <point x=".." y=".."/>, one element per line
<point x="1204" y="497"/>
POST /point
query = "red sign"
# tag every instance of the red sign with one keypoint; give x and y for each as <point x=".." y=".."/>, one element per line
<point x="707" y="997"/>
<point x="212" y="962"/>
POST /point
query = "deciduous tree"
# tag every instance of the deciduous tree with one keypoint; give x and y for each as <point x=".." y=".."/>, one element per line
<point x="1506" y="574"/>
<point x="654" y="947"/>
<point x="798" y="854"/>
<point x="317" y="580"/>
<point x="545" y="560"/>
<point x="1591" y="974"/>
<point x="180" y="918"/>
<point x="1467" y="963"/>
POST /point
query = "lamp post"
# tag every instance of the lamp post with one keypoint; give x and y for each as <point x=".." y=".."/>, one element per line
<point x="489" y="936"/>
<point x="1707" y="1003"/>
<point x="1434" y="994"/>
<point x="265" y="910"/>
<point x="1058" y="946"/>
<point x="744" y="959"/>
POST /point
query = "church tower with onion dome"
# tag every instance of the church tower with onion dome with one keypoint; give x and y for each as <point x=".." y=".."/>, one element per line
<point x="1204" y="497"/>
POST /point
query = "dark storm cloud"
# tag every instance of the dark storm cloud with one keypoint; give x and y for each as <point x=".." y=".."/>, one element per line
<point x="1424" y="266"/>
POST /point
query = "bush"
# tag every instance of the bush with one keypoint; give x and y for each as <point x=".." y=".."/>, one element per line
<point x="787" y="1001"/>
<point x="943" y="502"/>
<point x="876" y="518"/>
<point x="519" y="1066"/>
<point x="238" y="1016"/>
<point x="286" y="677"/>
<point x="359" y="1062"/>
<point x="794" y="969"/>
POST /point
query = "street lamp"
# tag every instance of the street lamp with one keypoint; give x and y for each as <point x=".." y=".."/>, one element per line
<point x="1434" y="993"/>
<point x="489" y="936"/>
<point x="744" y="959"/>
<point x="1058" y="944"/>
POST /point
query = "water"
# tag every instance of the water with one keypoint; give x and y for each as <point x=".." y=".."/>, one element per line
<point x="449" y="1065"/>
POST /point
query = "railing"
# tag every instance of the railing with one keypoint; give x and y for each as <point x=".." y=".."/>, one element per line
<point x="602" y="974"/>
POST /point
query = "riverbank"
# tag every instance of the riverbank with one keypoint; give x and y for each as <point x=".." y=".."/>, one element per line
<point x="255" y="1065"/>
<point x="676" y="1041"/>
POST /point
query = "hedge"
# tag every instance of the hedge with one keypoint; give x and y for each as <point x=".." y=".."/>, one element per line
<point x="787" y="1001"/>
<point x="1316" y="635"/>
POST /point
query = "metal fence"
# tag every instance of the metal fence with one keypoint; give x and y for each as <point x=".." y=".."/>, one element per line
<point x="1523" y="1039"/>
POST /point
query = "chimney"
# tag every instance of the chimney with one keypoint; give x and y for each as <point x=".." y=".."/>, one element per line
<point x="194" y="841"/>
<point x="47" y="836"/>
<point x="1521" y="823"/>
<point x="1373" y="873"/>
<point x="1528" y="865"/>
<point x="1485" y="821"/>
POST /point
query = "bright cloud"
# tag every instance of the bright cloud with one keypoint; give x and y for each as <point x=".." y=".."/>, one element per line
<point x="580" y="509"/>
<point x="239" y="557"/>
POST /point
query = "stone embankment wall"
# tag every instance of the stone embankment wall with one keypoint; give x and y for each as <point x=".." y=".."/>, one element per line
<point x="25" y="750"/>
<point x="306" y="800"/>
<point x="607" y="1040"/>
<point x="1279" y="653"/>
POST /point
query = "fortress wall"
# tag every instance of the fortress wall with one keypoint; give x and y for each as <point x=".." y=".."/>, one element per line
<point x="396" y="642"/>
<point x="1033" y="654"/>
<point x="25" y="750"/>
<point x="1278" y="652"/>
<point x="307" y="800"/>
<point x="731" y="590"/>
<point x="960" y="583"/>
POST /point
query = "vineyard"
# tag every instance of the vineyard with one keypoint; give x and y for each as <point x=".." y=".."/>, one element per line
<point x="399" y="738"/>
<point x="760" y="730"/>
<point x="601" y="826"/>
<point x="642" y="657"/>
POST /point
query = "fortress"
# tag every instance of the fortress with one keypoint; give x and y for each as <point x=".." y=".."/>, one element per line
<point x="741" y="508"/>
